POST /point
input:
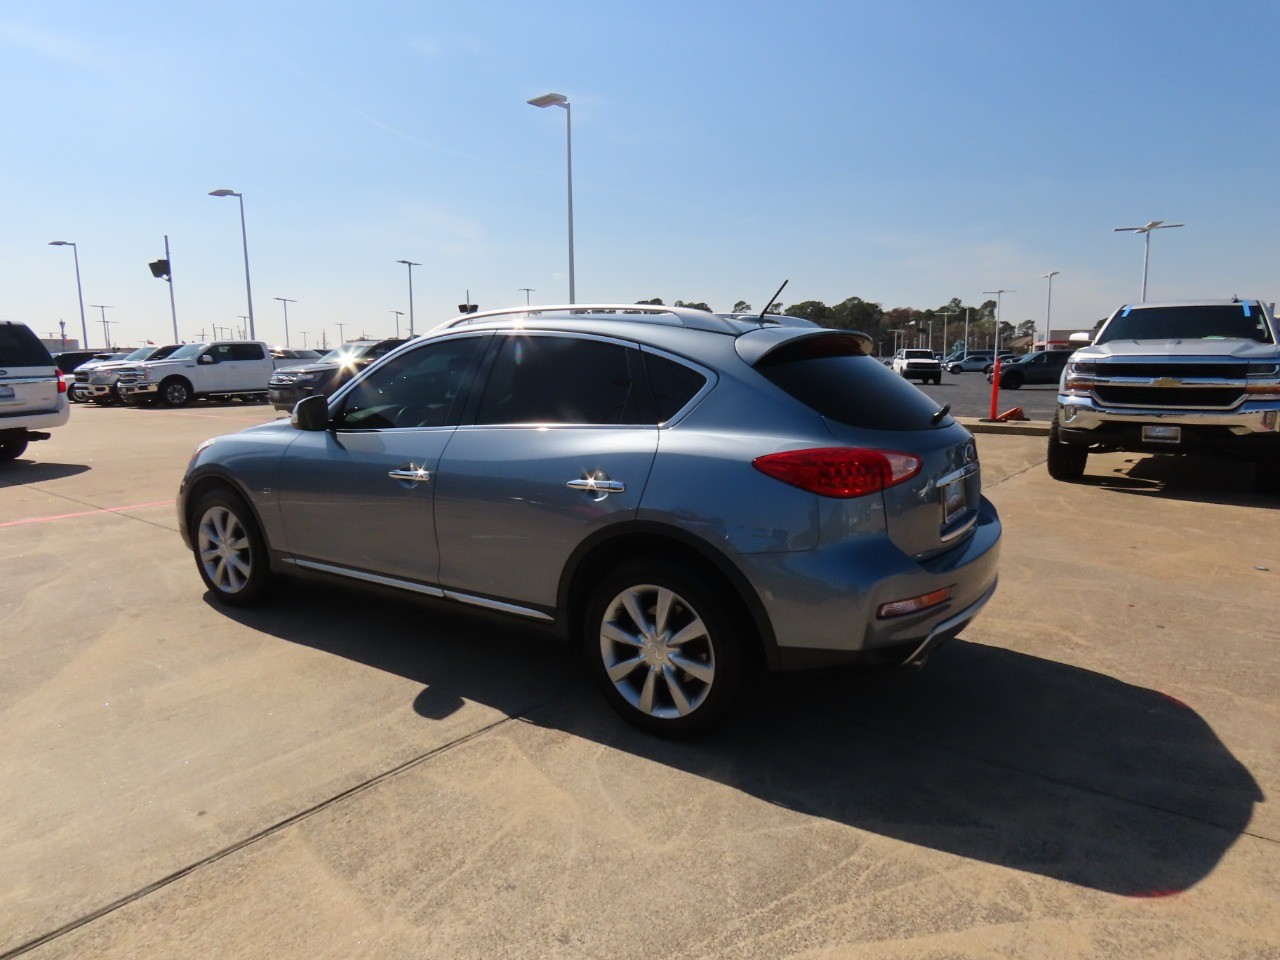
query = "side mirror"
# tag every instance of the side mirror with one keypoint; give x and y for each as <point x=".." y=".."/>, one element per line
<point x="207" y="358"/>
<point x="1081" y="338"/>
<point x="311" y="413"/>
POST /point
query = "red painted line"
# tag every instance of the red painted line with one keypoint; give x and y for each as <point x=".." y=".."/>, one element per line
<point x="88" y="513"/>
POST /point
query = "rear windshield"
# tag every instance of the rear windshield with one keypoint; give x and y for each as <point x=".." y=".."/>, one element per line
<point x="853" y="389"/>
<point x="19" y="347"/>
<point x="1213" y="321"/>
<point x="917" y="354"/>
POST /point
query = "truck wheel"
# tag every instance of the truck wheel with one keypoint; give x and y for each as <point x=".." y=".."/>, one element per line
<point x="12" y="448"/>
<point x="175" y="392"/>
<point x="1066" y="461"/>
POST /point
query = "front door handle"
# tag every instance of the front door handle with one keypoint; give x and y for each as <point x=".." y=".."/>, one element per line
<point x="601" y="487"/>
<point x="411" y="474"/>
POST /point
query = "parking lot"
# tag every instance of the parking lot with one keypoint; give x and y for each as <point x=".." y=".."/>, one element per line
<point x="1088" y="772"/>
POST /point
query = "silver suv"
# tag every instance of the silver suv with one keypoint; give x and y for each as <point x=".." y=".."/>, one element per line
<point x="684" y="495"/>
<point x="33" y="395"/>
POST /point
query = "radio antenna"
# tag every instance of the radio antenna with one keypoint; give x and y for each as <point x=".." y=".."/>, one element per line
<point x="772" y="300"/>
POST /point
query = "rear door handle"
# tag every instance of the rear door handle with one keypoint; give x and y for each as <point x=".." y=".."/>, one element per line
<point x="411" y="473"/>
<point x="591" y="485"/>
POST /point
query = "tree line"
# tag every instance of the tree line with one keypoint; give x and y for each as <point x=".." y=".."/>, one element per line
<point x="897" y="326"/>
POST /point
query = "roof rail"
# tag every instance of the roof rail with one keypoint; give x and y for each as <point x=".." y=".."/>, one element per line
<point x="689" y="317"/>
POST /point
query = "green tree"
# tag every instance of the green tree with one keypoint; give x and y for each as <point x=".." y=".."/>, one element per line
<point x="695" y="305"/>
<point x="741" y="307"/>
<point x="815" y="311"/>
<point x="655" y="302"/>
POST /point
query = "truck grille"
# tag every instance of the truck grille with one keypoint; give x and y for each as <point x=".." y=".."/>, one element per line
<point x="1226" y="370"/>
<point x="1181" y="396"/>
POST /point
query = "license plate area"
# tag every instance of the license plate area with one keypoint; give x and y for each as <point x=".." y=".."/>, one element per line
<point x="1159" y="433"/>
<point x="952" y="495"/>
<point x="6" y="393"/>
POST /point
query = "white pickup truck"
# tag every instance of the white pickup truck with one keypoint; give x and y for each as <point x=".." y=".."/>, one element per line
<point x="223" y="368"/>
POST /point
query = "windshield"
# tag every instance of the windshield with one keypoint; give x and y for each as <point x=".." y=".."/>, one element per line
<point x="917" y="354"/>
<point x="347" y="352"/>
<point x="1208" y="321"/>
<point x="187" y="351"/>
<point x="140" y="354"/>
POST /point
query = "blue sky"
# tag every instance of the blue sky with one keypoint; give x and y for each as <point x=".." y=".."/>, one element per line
<point x="905" y="153"/>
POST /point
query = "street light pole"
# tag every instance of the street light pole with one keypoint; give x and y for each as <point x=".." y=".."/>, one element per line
<point x="1048" y="306"/>
<point x="244" y="236"/>
<point x="284" y="302"/>
<point x="410" y="264"/>
<point x="341" y="341"/>
<point x="527" y="291"/>
<point x="999" y="294"/>
<point x="1146" y="253"/>
<point x="75" y="252"/>
<point x="399" y="314"/>
<point x="560" y="100"/>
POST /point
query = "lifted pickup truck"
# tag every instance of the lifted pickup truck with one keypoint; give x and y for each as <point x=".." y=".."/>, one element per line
<point x="1188" y="377"/>
<point x="225" y="368"/>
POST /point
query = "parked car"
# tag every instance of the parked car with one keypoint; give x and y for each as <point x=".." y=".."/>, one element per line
<point x="917" y="364"/>
<point x="99" y="382"/>
<point x="33" y="395"/>
<point x="1174" y="378"/>
<point x="224" y="368"/>
<point x="290" y="384"/>
<point x="1042" y="366"/>
<point x="684" y="495"/>
<point x="973" y="361"/>
<point x="1004" y="358"/>
<point x="75" y="384"/>
<point x="294" y="353"/>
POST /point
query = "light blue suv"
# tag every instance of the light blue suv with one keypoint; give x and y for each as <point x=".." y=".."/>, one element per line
<point x="684" y="495"/>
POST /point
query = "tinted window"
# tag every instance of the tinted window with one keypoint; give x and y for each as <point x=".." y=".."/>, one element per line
<point x="673" y="385"/>
<point x="245" y="351"/>
<point x="19" y="347"/>
<point x="1218" y="321"/>
<point x="418" y="389"/>
<point x="538" y="379"/>
<point x="857" y="390"/>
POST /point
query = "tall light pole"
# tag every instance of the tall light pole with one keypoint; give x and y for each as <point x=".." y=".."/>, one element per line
<point x="1048" y="306"/>
<point x="284" y="302"/>
<point x="527" y="291"/>
<point x="410" y="264"/>
<point x="244" y="236"/>
<point x="106" y="336"/>
<point x="999" y="294"/>
<point x="946" y="315"/>
<point x="304" y="338"/>
<point x="84" y="327"/>
<point x="1146" y="253"/>
<point x="399" y="314"/>
<point x="560" y="100"/>
<point x="341" y="341"/>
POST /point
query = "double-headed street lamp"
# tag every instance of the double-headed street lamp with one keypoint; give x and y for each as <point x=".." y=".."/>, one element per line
<point x="410" y="264"/>
<point x="84" y="327"/>
<point x="284" y="302"/>
<point x="1048" y="307"/>
<point x="106" y="334"/>
<point x="244" y="236"/>
<point x="999" y="294"/>
<point x="399" y="314"/>
<point x="1146" y="253"/>
<point x="560" y="100"/>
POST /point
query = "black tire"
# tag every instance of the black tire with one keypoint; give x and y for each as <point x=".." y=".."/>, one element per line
<point x="13" y="448"/>
<point x="1011" y="381"/>
<point x="1066" y="461"/>
<point x="937" y="380"/>
<point x="175" y="392"/>
<point x="669" y="690"/>
<point x="956" y="368"/>
<point x="230" y="551"/>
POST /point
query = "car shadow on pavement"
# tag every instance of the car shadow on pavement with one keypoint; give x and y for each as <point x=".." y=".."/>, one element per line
<point x="1190" y="477"/>
<point x="22" y="471"/>
<point x="986" y="753"/>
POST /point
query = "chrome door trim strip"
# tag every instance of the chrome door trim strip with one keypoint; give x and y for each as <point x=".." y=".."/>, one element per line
<point x="367" y="577"/>
<point x="499" y="606"/>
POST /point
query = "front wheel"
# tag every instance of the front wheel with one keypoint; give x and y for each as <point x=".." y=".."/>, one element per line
<point x="1066" y="461"/>
<point x="230" y="551"/>
<point x="955" y="368"/>
<point x="175" y="392"/>
<point x="665" y="648"/>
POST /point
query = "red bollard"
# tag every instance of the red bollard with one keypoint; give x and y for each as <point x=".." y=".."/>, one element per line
<point x="995" y="388"/>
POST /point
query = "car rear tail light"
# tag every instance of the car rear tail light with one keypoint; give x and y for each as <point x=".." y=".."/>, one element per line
<point x="899" y="608"/>
<point x="62" y="384"/>
<point x="839" y="471"/>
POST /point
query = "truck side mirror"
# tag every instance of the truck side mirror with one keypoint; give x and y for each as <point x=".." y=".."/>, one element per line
<point x="1081" y="338"/>
<point x="207" y="358"/>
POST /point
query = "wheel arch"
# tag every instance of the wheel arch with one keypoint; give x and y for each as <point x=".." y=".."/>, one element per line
<point x="598" y="555"/>
<point x="197" y="486"/>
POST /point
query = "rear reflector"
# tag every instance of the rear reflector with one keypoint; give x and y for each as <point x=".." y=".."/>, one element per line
<point x="839" y="471"/>
<point x="898" y="608"/>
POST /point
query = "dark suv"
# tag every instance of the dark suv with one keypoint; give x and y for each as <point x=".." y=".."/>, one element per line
<point x="1043" y="366"/>
<point x="687" y="496"/>
<point x="290" y="384"/>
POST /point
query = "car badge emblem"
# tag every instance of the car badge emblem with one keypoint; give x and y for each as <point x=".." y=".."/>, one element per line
<point x="1166" y="382"/>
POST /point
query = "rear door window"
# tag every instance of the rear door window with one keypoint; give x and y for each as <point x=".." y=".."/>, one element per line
<point x="829" y="376"/>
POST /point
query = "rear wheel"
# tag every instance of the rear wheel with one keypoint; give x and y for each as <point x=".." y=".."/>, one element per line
<point x="1066" y="461"/>
<point x="665" y="647"/>
<point x="230" y="551"/>
<point x="12" y="448"/>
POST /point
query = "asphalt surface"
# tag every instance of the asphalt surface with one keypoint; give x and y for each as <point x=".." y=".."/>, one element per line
<point x="1087" y="773"/>
<point x="970" y="396"/>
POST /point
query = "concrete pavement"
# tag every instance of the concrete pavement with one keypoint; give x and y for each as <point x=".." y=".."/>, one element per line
<point x="1087" y="773"/>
